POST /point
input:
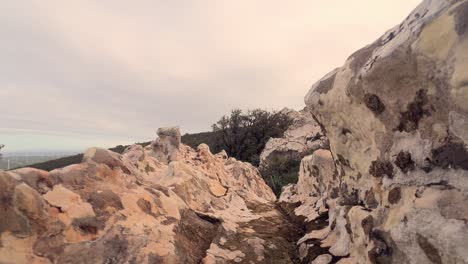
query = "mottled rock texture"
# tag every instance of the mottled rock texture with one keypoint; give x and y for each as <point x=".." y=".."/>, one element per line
<point x="393" y="188"/>
<point x="302" y="138"/>
<point x="167" y="203"/>
<point x="388" y="184"/>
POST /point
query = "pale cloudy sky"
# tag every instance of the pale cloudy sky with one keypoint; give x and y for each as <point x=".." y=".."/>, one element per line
<point x="75" y="74"/>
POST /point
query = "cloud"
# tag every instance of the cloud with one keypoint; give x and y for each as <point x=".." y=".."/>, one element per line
<point x="119" y="69"/>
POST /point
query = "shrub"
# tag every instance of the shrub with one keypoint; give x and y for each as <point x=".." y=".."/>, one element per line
<point x="279" y="172"/>
<point x="244" y="135"/>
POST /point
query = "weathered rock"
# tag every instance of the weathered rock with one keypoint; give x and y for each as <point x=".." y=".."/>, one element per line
<point x="135" y="208"/>
<point x="302" y="138"/>
<point x="166" y="147"/>
<point x="395" y="115"/>
<point x="36" y="179"/>
<point x="134" y="153"/>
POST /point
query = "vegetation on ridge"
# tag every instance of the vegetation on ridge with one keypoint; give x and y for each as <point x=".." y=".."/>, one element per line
<point x="243" y="135"/>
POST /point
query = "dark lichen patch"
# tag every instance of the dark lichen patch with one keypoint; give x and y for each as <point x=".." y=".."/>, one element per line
<point x="452" y="155"/>
<point x="11" y="219"/>
<point x="194" y="236"/>
<point x="162" y="189"/>
<point x="345" y="131"/>
<point x="155" y="259"/>
<point x="315" y="171"/>
<point x="404" y="161"/>
<point x="334" y="192"/>
<point x="325" y="85"/>
<point x="381" y="252"/>
<point x="149" y="169"/>
<point x="427" y="165"/>
<point x="144" y="205"/>
<point x="49" y="246"/>
<point x="370" y="200"/>
<point x="169" y="220"/>
<point x="367" y="224"/>
<point x="88" y="225"/>
<point x="342" y="160"/>
<point x="109" y="249"/>
<point x="394" y="195"/>
<point x="390" y="37"/>
<point x="347" y="197"/>
<point x="101" y="200"/>
<point x="374" y="103"/>
<point x="461" y="19"/>
<point x="380" y="168"/>
<point x="431" y="252"/>
<point x="409" y="119"/>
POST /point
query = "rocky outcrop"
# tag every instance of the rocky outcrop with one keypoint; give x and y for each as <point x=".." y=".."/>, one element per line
<point x="388" y="184"/>
<point x="302" y="138"/>
<point x="393" y="188"/>
<point x="166" y="147"/>
<point x="166" y="203"/>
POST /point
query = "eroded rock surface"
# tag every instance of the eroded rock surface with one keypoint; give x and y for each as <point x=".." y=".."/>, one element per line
<point x="393" y="188"/>
<point x="167" y="203"/>
<point x="302" y="138"/>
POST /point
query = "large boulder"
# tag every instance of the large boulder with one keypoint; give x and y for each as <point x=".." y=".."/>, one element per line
<point x="166" y="146"/>
<point x="396" y="118"/>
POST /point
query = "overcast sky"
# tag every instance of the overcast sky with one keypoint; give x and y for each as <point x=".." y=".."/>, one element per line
<point x="75" y="74"/>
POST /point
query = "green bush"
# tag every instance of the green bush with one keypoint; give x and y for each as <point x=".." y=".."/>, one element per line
<point x="280" y="172"/>
<point x="244" y="135"/>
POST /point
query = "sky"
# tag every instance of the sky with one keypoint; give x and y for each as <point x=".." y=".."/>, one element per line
<point x="76" y="74"/>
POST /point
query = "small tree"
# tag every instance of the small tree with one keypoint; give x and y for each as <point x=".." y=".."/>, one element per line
<point x="244" y="135"/>
<point x="279" y="172"/>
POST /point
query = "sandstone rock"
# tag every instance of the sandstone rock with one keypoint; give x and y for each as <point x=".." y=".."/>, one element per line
<point x="29" y="202"/>
<point x="68" y="202"/>
<point x="135" y="208"/>
<point x="106" y="157"/>
<point x="388" y="183"/>
<point x="302" y="138"/>
<point x="36" y="179"/>
<point x="166" y="147"/>
<point x="395" y="115"/>
<point x="134" y="153"/>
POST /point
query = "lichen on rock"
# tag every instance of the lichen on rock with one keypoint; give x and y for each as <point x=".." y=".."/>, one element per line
<point x="397" y="131"/>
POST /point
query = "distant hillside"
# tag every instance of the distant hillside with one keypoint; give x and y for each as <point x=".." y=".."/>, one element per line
<point x="209" y="138"/>
<point x="192" y="140"/>
<point x="18" y="160"/>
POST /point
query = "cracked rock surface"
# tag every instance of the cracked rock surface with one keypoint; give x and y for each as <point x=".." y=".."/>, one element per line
<point x="165" y="203"/>
<point x="383" y="177"/>
<point x="393" y="186"/>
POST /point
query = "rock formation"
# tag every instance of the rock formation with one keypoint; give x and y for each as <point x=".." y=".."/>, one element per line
<point x="302" y="138"/>
<point x="166" y="203"/>
<point x="393" y="186"/>
<point x="383" y="175"/>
